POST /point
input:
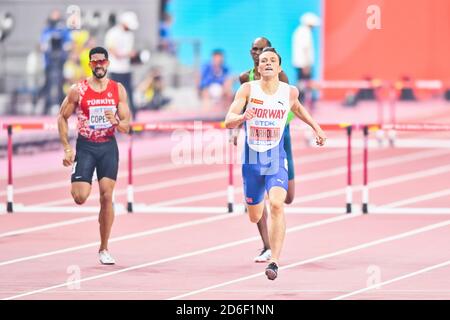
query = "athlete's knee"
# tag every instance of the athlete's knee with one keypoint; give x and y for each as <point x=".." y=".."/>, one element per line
<point x="106" y="196"/>
<point x="79" y="197"/>
<point x="276" y="205"/>
<point x="255" y="215"/>
<point x="254" y="218"/>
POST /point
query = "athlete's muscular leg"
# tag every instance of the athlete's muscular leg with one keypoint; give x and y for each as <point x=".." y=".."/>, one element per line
<point x="255" y="211"/>
<point x="291" y="192"/>
<point x="106" y="217"/>
<point x="263" y="229"/>
<point x="290" y="164"/>
<point x="277" y="229"/>
<point x="80" y="191"/>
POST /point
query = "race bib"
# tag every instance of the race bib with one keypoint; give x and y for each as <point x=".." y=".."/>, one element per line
<point x="97" y="118"/>
<point x="264" y="136"/>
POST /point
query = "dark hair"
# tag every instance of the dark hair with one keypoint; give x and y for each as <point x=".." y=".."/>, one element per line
<point x="271" y="49"/>
<point x="217" y="51"/>
<point x="96" y="50"/>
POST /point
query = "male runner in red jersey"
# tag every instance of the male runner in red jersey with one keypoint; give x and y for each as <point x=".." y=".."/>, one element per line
<point x="101" y="107"/>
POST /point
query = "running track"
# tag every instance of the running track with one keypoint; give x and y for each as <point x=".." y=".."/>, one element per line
<point x="207" y="256"/>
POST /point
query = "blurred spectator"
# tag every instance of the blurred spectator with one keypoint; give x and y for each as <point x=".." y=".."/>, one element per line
<point x="73" y="70"/>
<point x="84" y="56"/>
<point x="55" y="44"/>
<point x="150" y="91"/>
<point x="367" y="93"/>
<point x="406" y="89"/>
<point x="163" y="7"/>
<point x="215" y="82"/>
<point x="35" y="67"/>
<point x="79" y="40"/>
<point x="303" y="52"/>
<point x="166" y="43"/>
<point x="119" y="41"/>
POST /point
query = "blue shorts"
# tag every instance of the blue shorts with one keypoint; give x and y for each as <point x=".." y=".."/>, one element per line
<point x="256" y="182"/>
<point x="288" y="149"/>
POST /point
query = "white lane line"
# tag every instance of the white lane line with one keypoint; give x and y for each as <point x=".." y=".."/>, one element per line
<point x="322" y="257"/>
<point x="424" y="197"/>
<point x="121" y="174"/>
<point x="399" y="143"/>
<point x="49" y="226"/>
<point x="122" y="238"/>
<point x="406" y="276"/>
<point x="409" y="211"/>
<point x="183" y="256"/>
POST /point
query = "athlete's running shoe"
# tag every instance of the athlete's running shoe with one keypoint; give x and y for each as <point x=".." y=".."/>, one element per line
<point x="272" y="271"/>
<point x="264" y="256"/>
<point x="105" y="257"/>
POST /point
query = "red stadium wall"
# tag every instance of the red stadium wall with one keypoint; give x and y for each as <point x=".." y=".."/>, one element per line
<point x="414" y="40"/>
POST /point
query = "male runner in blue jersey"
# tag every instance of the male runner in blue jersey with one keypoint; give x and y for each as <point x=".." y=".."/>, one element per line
<point x="268" y="102"/>
<point x="250" y="75"/>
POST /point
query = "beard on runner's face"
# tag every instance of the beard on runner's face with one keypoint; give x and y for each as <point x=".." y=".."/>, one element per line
<point x="99" y="72"/>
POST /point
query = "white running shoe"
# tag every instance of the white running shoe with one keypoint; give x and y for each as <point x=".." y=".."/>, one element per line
<point x="105" y="257"/>
<point x="264" y="256"/>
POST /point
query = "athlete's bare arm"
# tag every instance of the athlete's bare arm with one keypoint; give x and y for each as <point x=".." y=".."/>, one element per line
<point x="243" y="78"/>
<point x="123" y="112"/>
<point x="66" y="110"/>
<point x="304" y="115"/>
<point x="234" y="117"/>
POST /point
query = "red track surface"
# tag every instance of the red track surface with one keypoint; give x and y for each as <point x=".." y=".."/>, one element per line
<point x="213" y="259"/>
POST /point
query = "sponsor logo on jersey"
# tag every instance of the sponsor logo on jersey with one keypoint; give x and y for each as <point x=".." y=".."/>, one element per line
<point x="266" y="123"/>
<point x="256" y="101"/>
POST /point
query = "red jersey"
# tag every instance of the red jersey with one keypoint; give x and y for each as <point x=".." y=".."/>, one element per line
<point x="92" y="123"/>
